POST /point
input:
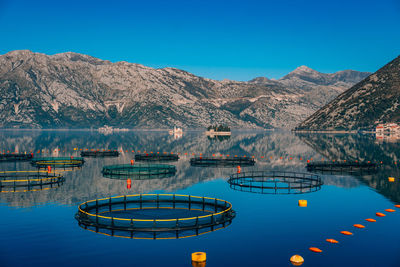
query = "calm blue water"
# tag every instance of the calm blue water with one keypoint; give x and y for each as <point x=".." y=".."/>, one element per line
<point x="39" y="228"/>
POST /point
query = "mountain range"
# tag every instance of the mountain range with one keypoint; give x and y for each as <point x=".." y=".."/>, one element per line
<point x="375" y="99"/>
<point x="71" y="90"/>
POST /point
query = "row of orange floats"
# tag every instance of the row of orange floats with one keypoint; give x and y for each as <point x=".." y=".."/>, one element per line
<point x="297" y="260"/>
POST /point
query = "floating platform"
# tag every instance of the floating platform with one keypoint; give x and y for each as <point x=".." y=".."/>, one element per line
<point x="222" y="162"/>
<point x="12" y="157"/>
<point x="24" y="181"/>
<point x="156" y="157"/>
<point x="342" y="167"/>
<point x="139" y="171"/>
<point x="155" y="216"/>
<point x="275" y="182"/>
<point x="98" y="153"/>
<point x="58" y="162"/>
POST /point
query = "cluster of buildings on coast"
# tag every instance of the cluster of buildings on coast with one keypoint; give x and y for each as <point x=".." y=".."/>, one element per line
<point x="387" y="131"/>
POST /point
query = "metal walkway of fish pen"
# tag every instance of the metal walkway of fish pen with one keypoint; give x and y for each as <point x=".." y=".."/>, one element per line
<point x="222" y="162"/>
<point x="58" y="162"/>
<point x="24" y="181"/>
<point x="275" y="182"/>
<point x="98" y="153"/>
<point x="342" y="167"/>
<point x="156" y="157"/>
<point x="155" y="216"/>
<point x="139" y="171"/>
<point x="10" y="157"/>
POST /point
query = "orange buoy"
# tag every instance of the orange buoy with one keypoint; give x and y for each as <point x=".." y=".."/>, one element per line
<point x="296" y="260"/>
<point x="302" y="203"/>
<point x="199" y="259"/>
<point x="390" y="210"/>
<point x="391" y="179"/>
<point x="380" y="214"/>
<point x="397" y="206"/>
<point x="370" y="220"/>
<point x="359" y="226"/>
<point x="314" y="249"/>
<point x="308" y="161"/>
<point x="49" y="169"/>
<point x="132" y="161"/>
<point x="239" y="169"/>
<point x="346" y="233"/>
<point x="333" y="241"/>
<point x="128" y="183"/>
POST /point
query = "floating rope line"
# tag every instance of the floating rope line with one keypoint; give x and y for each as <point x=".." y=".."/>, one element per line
<point x="275" y="182"/>
<point x="24" y="181"/>
<point x="139" y="171"/>
<point x="155" y="216"/>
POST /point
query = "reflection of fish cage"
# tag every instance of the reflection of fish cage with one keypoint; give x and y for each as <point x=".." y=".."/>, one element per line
<point x="275" y="182"/>
<point x="98" y="153"/>
<point x="342" y="167"/>
<point x="156" y="157"/>
<point x="155" y="216"/>
<point x="139" y="171"/>
<point x="222" y="162"/>
<point x="15" y="157"/>
<point x="58" y="162"/>
<point x="24" y="181"/>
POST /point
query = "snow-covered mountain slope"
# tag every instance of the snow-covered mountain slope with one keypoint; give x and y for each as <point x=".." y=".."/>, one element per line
<point x="71" y="90"/>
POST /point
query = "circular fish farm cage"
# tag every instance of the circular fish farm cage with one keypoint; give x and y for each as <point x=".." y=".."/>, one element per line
<point x="98" y="154"/>
<point x="58" y="162"/>
<point x="342" y="167"/>
<point x="222" y="162"/>
<point x="24" y="181"/>
<point x="156" y="157"/>
<point x="155" y="216"/>
<point x="12" y="157"/>
<point x="139" y="171"/>
<point x="275" y="182"/>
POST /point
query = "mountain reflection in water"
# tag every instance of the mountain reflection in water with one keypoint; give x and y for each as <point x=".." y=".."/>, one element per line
<point x="272" y="151"/>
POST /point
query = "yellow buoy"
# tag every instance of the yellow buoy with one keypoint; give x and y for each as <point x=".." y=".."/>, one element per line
<point x="199" y="257"/>
<point x="391" y="179"/>
<point x="297" y="260"/>
<point x="302" y="203"/>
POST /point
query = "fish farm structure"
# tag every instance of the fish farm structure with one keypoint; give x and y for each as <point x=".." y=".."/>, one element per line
<point x="11" y="157"/>
<point x="222" y="162"/>
<point x="275" y="182"/>
<point x="58" y="162"/>
<point x="352" y="167"/>
<point x="98" y="153"/>
<point x="24" y="181"/>
<point x="139" y="171"/>
<point x="155" y="216"/>
<point x="156" y="157"/>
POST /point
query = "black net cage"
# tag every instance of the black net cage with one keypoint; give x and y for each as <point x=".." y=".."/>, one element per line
<point x="155" y="216"/>
<point x="24" y="181"/>
<point x="58" y="162"/>
<point x="222" y="162"/>
<point x="139" y="171"/>
<point x="351" y="167"/>
<point x="11" y="157"/>
<point x="99" y="153"/>
<point x="275" y="182"/>
<point x="156" y="157"/>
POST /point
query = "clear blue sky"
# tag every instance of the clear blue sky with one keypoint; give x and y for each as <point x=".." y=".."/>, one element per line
<point x="215" y="39"/>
